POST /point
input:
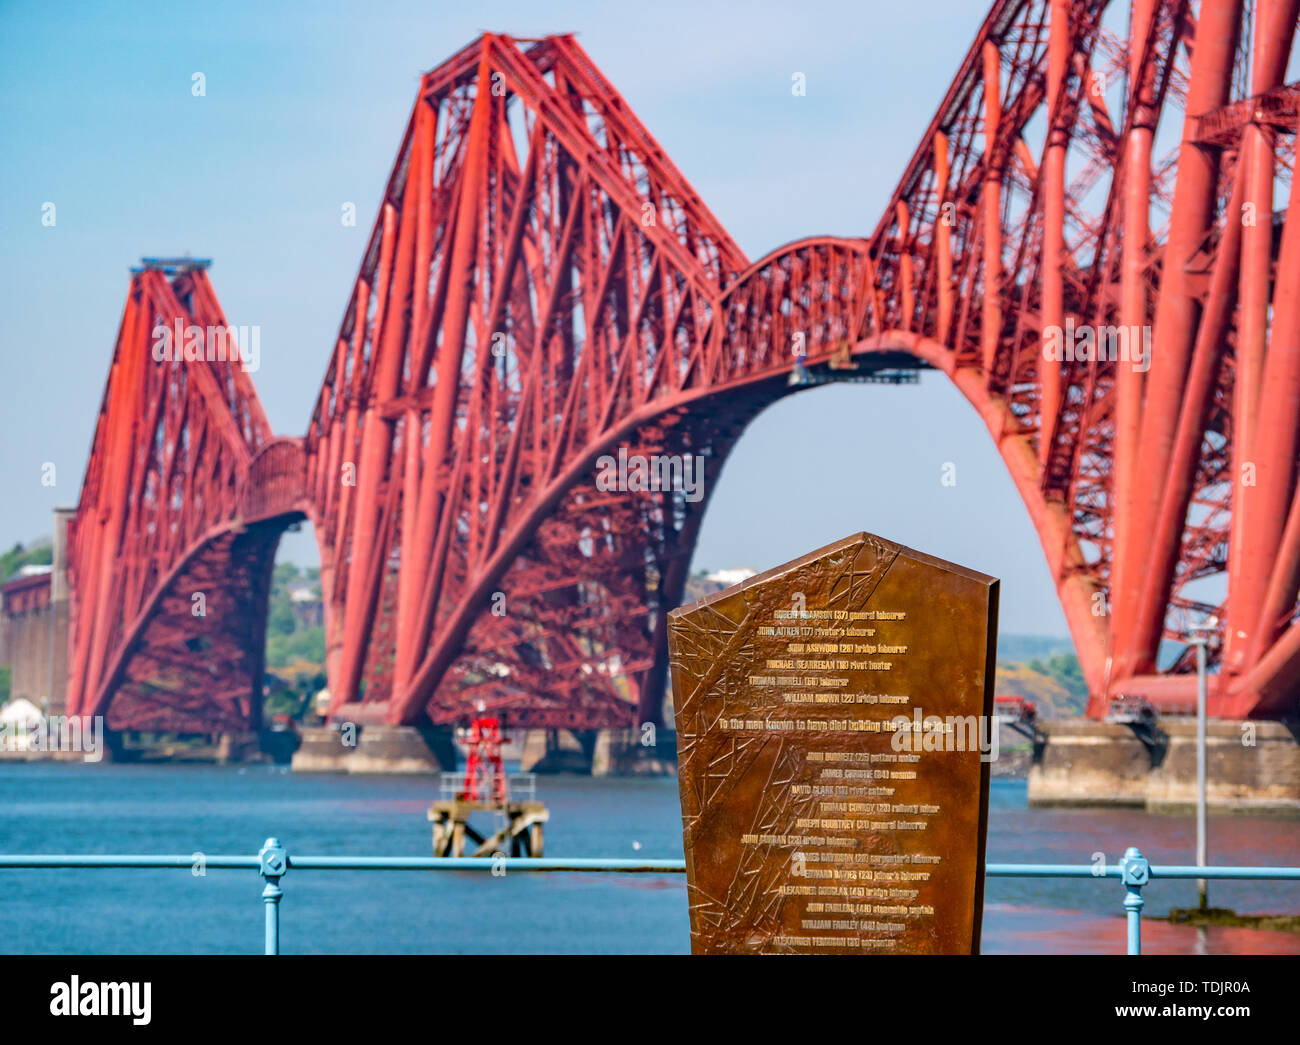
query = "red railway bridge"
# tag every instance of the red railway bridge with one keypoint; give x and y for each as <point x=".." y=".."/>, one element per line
<point x="542" y="287"/>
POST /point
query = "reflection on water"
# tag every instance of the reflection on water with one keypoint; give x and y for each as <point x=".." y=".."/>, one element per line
<point x="184" y="809"/>
<point x="1031" y="930"/>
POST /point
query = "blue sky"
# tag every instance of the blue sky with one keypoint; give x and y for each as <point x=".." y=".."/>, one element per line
<point x="303" y="111"/>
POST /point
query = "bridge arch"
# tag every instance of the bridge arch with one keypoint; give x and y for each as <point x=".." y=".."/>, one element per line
<point x="813" y="288"/>
<point x="542" y="285"/>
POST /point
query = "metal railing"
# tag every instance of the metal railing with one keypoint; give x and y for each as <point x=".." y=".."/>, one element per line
<point x="273" y="862"/>
<point x="520" y="787"/>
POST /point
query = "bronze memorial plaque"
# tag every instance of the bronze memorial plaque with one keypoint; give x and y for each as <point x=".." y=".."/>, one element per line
<point x="834" y="733"/>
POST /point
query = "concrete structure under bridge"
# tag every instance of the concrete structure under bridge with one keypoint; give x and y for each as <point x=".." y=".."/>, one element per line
<point x="1251" y="768"/>
<point x="1254" y="765"/>
<point x="379" y="748"/>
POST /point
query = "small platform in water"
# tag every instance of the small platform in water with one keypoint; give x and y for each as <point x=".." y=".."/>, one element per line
<point x="485" y="788"/>
<point x="518" y="828"/>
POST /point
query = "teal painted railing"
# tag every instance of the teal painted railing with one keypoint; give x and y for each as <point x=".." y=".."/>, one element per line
<point x="273" y="863"/>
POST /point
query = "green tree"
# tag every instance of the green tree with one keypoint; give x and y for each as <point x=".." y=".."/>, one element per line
<point x="1065" y="669"/>
<point x="308" y="645"/>
<point x="17" y="557"/>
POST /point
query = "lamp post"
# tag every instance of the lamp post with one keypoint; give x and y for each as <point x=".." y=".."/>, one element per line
<point x="1200" y="638"/>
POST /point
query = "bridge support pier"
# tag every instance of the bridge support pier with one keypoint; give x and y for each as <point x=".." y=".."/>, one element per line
<point x="622" y="753"/>
<point x="601" y="752"/>
<point x="557" y="751"/>
<point x="1253" y="767"/>
<point x="371" y="748"/>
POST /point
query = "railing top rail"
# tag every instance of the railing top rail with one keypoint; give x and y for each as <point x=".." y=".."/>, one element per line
<point x="273" y="862"/>
<point x="338" y="863"/>
<point x="580" y="864"/>
<point x="123" y="860"/>
<point x="1156" y="871"/>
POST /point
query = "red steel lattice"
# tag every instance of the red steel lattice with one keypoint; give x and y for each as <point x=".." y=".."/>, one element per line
<point x="543" y="287"/>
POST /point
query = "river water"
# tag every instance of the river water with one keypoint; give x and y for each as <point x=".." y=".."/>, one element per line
<point x="57" y="807"/>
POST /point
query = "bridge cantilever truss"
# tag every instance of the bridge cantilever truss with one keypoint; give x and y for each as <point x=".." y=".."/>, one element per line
<point x="184" y="500"/>
<point x="542" y="288"/>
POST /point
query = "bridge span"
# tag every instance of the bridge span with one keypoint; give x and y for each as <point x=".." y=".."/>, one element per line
<point x="543" y="287"/>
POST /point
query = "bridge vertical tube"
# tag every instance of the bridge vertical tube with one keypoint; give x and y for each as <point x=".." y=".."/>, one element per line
<point x="122" y="404"/>
<point x="431" y="522"/>
<point x="991" y="306"/>
<point x="1178" y="307"/>
<point x="1277" y="438"/>
<point x="334" y="568"/>
<point x="1126" y="565"/>
<point x="905" y="276"/>
<point x="1256" y="535"/>
<point x="943" y="236"/>
<point x="1246" y="564"/>
<point x="327" y="493"/>
<point x="1053" y="181"/>
<point x="375" y="432"/>
<point x="411" y="576"/>
<point x="1283" y="582"/>
<point x="1158" y="568"/>
<point x="365" y="572"/>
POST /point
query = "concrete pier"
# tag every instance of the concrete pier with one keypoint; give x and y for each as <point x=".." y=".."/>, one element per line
<point x="557" y="751"/>
<point x="625" y="753"/>
<point x="406" y="749"/>
<point x="600" y="752"/>
<point x="1253" y="768"/>
<point x="1087" y="763"/>
<point x="353" y="748"/>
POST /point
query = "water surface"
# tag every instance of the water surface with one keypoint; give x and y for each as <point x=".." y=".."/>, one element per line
<point x="60" y="807"/>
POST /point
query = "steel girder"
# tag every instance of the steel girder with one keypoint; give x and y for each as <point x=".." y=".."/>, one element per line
<point x="537" y="268"/>
<point x="1145" y="485"/>
<point x="170" y="553"/>
<point x="542" y="287"/>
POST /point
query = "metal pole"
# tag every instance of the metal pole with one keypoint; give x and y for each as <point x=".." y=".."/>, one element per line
<point x="1200" y="639"/>
<point x="1201" y="888"/>
<point x="274" y="862"/>
<point x="1133" y="908"/>
<point x="1134" y="872"/>
<point x="271" y="898"/>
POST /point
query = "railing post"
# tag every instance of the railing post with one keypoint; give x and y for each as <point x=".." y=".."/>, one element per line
<point x="1135" y="872"/>
<point x="274" y="864"/>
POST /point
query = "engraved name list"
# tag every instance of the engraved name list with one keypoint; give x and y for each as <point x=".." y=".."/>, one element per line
<point x="830" y="718"/>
